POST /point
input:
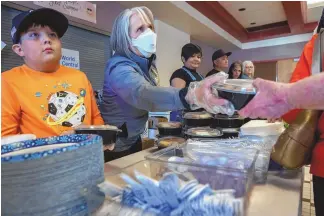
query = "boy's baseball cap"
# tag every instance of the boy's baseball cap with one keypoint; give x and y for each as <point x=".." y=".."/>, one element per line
<point x="45" y="16"/>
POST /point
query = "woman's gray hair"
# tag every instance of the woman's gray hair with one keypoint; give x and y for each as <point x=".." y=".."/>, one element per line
<point x="120" y="39"/>
<point x="246" y="63"/>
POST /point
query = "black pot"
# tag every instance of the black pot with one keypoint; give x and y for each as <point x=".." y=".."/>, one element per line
<point x="238" y="91"/>
<point x="173" y="129"/>
<point x="198" y="122"/>
<point x="224" y="121"/>
<point x="191" y="135"/>
<point x="197" y="119"/>
<point x="239" y="100"/>
<point x="108" y="133"/>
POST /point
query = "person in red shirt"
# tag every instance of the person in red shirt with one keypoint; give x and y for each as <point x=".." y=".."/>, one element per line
<point x="43" y="97"/>
<point x="275" y="99"/>
<point x="308" y="95"/>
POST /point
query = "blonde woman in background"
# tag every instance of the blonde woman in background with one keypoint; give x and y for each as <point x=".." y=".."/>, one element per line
<point x="248" y="70"/>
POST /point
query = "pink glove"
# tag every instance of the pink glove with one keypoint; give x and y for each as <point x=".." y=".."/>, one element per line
<point x="269" y="102"/>
<point x="200" y="95"/>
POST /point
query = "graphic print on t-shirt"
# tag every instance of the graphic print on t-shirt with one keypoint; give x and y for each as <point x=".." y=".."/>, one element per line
<point x="66" y="108"/>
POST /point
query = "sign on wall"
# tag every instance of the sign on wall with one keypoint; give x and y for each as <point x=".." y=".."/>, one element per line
<point x="79" y="9"/>
<point x="3" y="44"/>
<point x="70" y="58"/>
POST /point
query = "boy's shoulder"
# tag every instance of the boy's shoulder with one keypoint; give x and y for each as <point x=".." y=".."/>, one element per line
<point x="12" y="73"/>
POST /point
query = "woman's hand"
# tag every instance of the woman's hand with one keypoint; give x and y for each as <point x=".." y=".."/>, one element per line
<point x="271" y="100"/>
<point x="109" y="147"/>
<point x="200" y="95"/>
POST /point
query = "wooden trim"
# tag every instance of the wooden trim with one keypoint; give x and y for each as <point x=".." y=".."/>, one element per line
<point x="310" y="27"/>
<point x="269" y="33"/>
<point x="267" y="26"/>
<point x="220" y="16"/>
<point x="296" y="12"/>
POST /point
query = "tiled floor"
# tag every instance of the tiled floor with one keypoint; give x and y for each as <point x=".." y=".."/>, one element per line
<point x="308" y="198"/>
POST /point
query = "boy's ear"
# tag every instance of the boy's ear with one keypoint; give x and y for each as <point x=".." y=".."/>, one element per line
<point x="18" y="50"/>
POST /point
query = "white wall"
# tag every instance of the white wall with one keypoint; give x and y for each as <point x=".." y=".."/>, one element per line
<point x="169" y="43"/>
<point x="285" y="51"/>
<point x="107" y="12"/>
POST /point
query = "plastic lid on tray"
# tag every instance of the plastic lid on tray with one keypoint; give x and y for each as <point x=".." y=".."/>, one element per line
<point x="224" y="116"/>
<point x="169" y="125"/>
<point x="170" y="140"/>
<point x="97" y="127"/>
<point x="197" y="115"/>
<point x="231" y="130"/>
<point x="242" y="86"/>
<point x="204" y="132"/>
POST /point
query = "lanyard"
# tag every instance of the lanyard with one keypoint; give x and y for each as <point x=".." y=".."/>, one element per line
<point x="190" y="74"/>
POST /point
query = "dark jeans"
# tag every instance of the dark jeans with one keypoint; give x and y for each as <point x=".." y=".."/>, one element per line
<point x="111" y="155"/>
<point x="318" y="189"/>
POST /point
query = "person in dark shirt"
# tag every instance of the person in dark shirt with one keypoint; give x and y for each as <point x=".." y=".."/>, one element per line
<point x="235" y="70"/>
<point x="220" y="62"/>
<point x="191" y="57"/>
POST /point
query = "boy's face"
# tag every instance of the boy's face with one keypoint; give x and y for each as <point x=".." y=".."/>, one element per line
<point x="39" y="46"/>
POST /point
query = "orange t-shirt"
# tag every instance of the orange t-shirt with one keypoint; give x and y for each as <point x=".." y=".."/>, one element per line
<point x="46" y="104"/>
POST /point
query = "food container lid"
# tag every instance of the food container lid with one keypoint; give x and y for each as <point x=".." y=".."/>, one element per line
<point x="169" y="125"/>
<point x="170" y="140"/>
<point x="197" y="115"/>
<point x="231" y="130"/>
<point x="98" y="127"/>
<point x="241" y="86"/>
<point x="204" y="132"/>
<point x="224" y="116"/>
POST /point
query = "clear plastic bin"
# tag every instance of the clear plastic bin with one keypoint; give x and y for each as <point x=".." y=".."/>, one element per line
<point x="200" y="165"/>
<point x="263" y="144"/>
<point x="204" y="174"/>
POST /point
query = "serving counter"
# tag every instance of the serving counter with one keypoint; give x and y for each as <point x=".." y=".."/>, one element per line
<point x="280" y="196"/>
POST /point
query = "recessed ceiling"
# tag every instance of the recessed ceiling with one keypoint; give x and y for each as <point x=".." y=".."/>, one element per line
<point x="221" y="24"/>
<point x="183" y="17"/>
<point x="259" y="12"/>
<point x="314" y="14"/>
<point x="272" y="18"/>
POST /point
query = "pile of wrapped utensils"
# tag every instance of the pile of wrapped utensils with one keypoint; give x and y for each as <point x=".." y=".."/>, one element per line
<point x="172" y="196"/>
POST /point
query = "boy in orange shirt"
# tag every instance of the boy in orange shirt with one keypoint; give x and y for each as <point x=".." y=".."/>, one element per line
<point x="43" y="97"/>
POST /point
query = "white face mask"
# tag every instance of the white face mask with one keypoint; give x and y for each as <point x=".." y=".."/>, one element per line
<point x="145" y="43"/>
